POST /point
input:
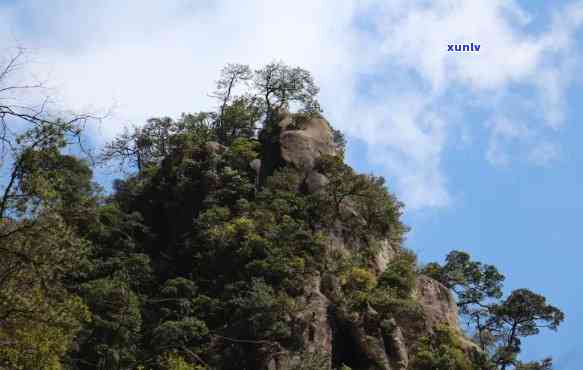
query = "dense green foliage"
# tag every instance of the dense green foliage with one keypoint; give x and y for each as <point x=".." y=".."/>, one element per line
<point x="196" y="262"/>
<point x="189" y="263"/>
<point x="442" y="350"/>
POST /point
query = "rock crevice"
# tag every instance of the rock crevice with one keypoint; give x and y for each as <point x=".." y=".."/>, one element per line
<point x="329" y="330"/>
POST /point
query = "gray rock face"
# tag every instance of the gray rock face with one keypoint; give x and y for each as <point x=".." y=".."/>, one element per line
<point x="381" y="350"/>
<point x="372" y="347"/>
<point x="303" y="146"/>
<point x="315" y="181"/>
<point x="327" y="328"/>
<point x="318" y="334"/>
<point x="439" y="308"/>
<point x="399" y="356"/>
<point x="389" y="351"/>
<point x="385" y="255"/>
<point x="438" y="303"/>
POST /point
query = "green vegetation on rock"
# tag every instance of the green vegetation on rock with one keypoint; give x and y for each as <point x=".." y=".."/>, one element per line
<point x="236" y="239"/>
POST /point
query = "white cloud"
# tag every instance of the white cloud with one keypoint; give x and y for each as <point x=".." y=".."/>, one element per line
<point x="510" y="140"/>
<point x="518" y="74"/>
<point x="161" y="58"/>
<point x="504" y="134"/>
<point x="503" y="127"/>
<point x="420" y="40"/>
<point x="407" y="141"/>
<point x="544" y="153"/>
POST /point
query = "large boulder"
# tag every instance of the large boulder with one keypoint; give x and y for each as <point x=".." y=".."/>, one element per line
<point x="438" y="304"/>
<point x="315" y="181"/>
<point x="302" y="146"/>
<point x="440" y="308"/>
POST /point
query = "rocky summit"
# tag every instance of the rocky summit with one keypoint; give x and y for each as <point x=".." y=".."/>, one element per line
<point x="331" y="331"/>
<point x="235" y="239"/>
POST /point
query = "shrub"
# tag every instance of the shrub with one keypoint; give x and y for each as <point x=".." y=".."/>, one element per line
<point x="441" y="351"/>
<point x="173" y="361"/>
<point x="400" y="275"/>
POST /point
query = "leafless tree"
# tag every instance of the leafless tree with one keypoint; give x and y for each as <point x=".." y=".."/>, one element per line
<point x="29" y="121"/>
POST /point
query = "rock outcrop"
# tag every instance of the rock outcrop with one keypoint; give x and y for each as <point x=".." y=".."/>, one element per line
<point x="315" y="181"/>
<point x="438" y="304"/>
<point x="312" y="138"/>
<point x="330" y="331"/>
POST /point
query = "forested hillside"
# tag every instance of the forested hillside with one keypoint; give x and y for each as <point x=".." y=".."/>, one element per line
<point x="233" y="239"/>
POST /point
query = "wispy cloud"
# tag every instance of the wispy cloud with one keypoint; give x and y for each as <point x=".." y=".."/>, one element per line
<point x="544" y="153"/>
<point x="384" y="69"/>
<point x="518" y="75"/>
<point x="503" y="134"/>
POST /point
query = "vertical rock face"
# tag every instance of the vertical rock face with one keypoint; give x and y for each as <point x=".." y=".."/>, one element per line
<point x="318" y="333"/>
<point x="315" y="181"/>
<point x="438" y="304"/>
<point x="397" y="353"/>
<point x="368" y="348"/>
<point x="343" y="339"/>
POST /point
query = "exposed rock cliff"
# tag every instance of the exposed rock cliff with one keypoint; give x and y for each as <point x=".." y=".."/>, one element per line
<point x="330" y="329"/>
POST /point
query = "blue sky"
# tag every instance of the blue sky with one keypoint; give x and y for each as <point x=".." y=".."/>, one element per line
<point x="484" y="148"/>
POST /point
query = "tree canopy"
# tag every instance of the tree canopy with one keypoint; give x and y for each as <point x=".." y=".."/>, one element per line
<point x="497" y="324"/>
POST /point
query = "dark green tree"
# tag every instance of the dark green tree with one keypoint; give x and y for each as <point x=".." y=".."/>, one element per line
<point x="238" y="114"/>
<point x="546" y="364"/>
<point x="476" y="286"/>
<point x="497" y="325"/>
<point x="279" y="85"/>
<point x="190" y="264"/>
<point x="520" y="315"/>
<point x="43" y="199"/>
